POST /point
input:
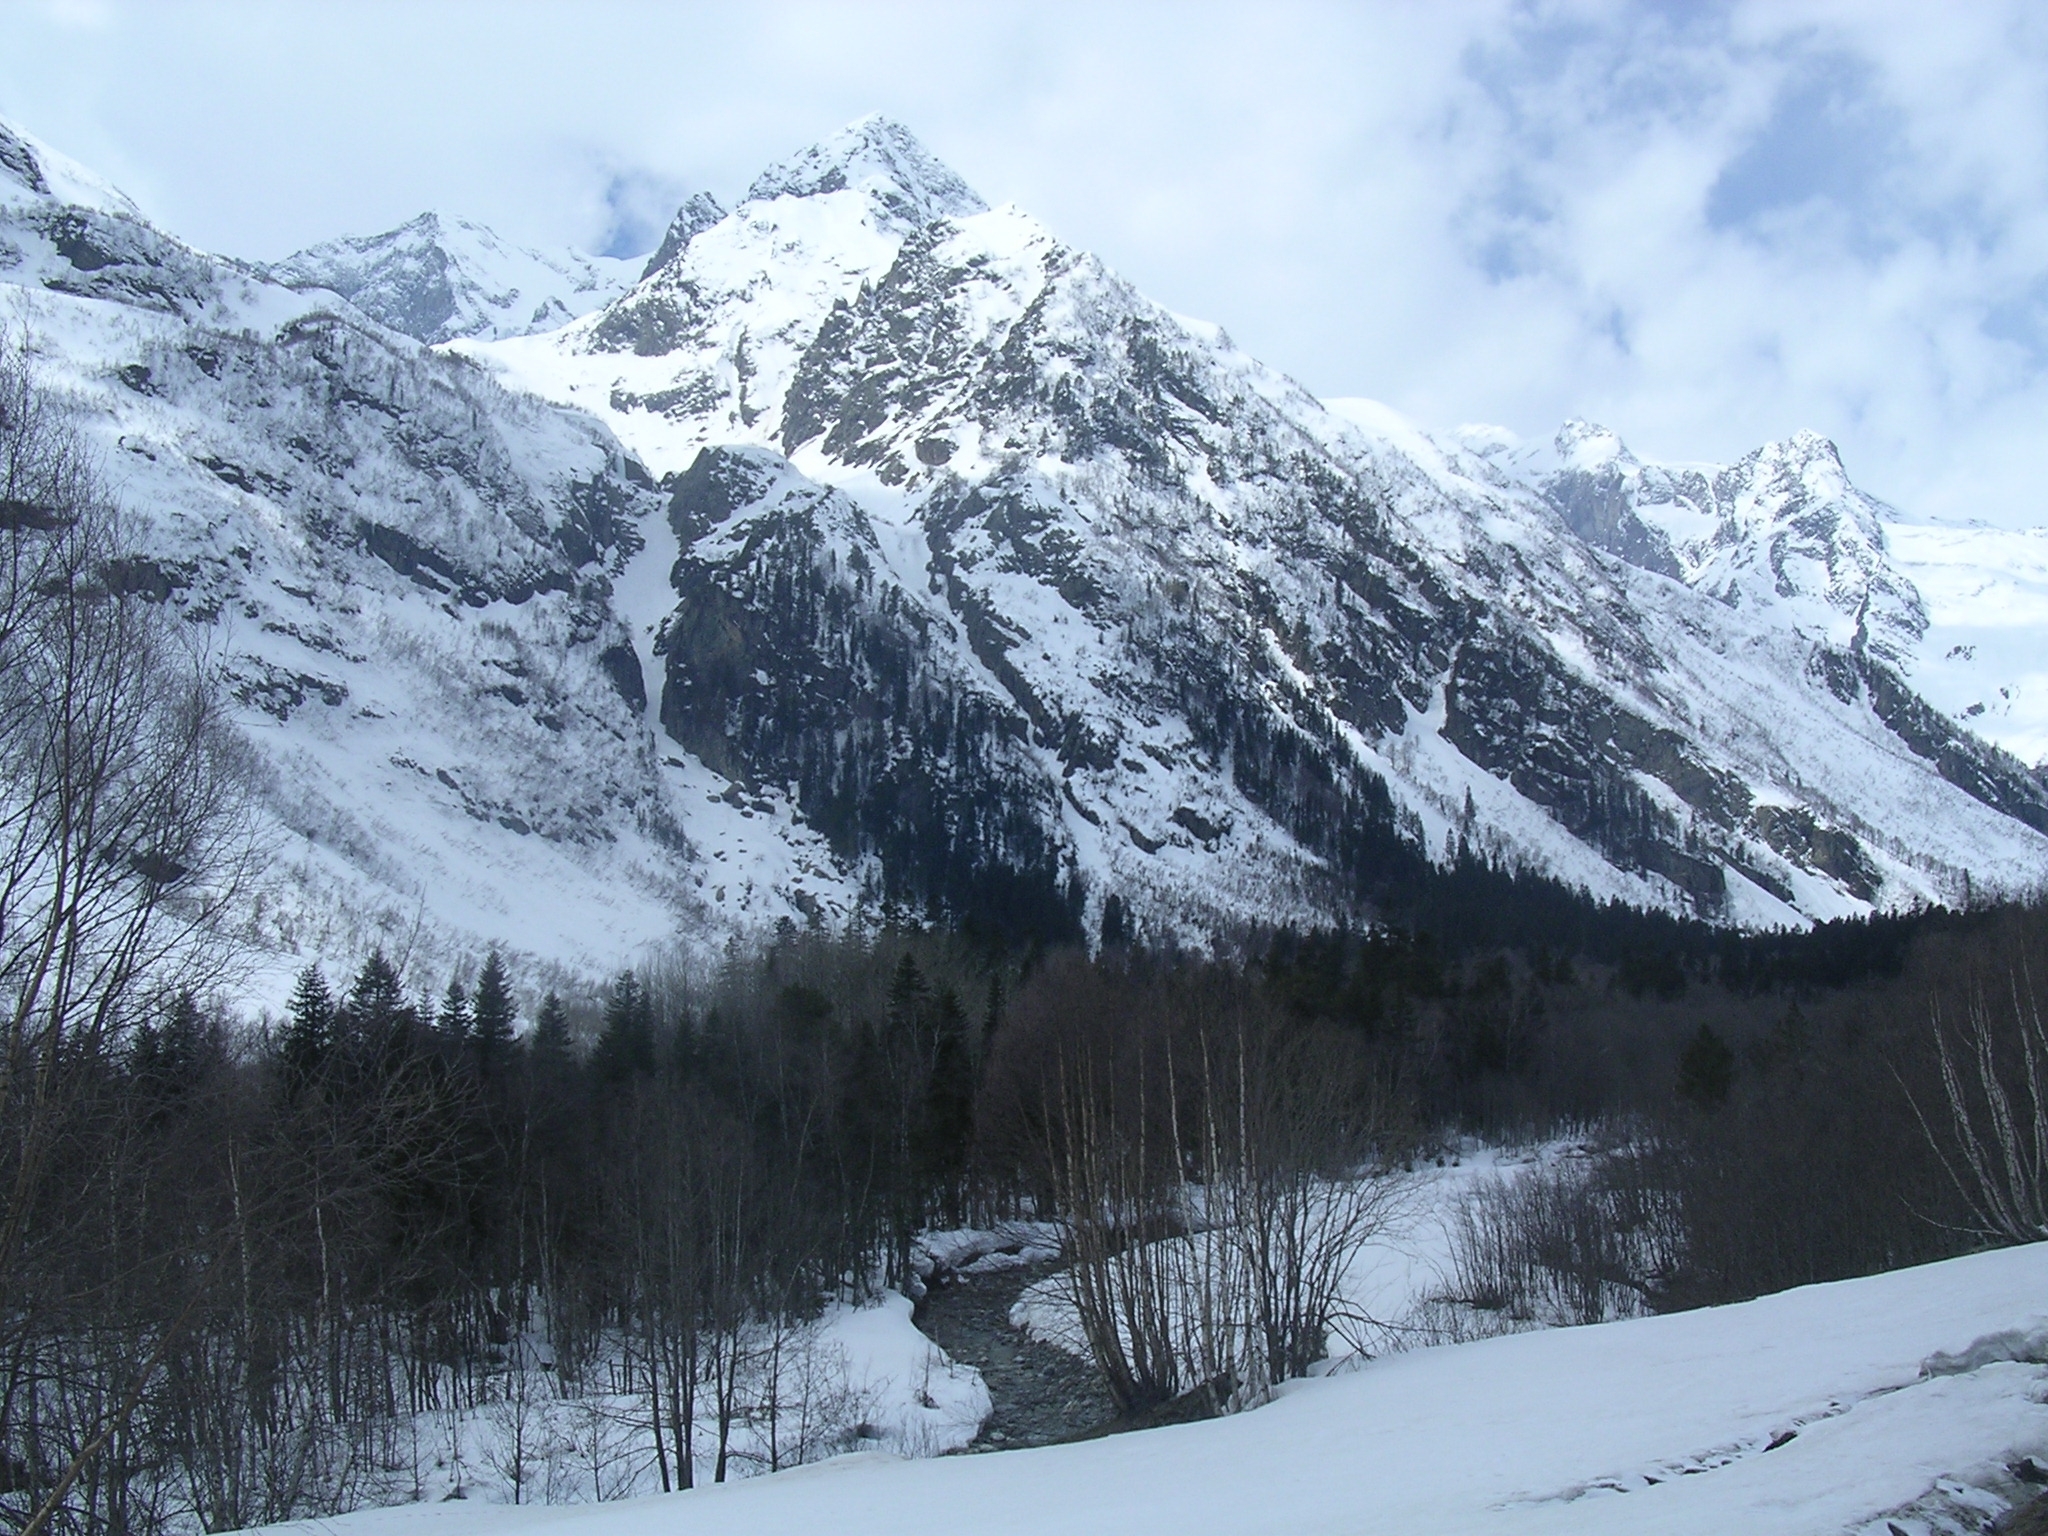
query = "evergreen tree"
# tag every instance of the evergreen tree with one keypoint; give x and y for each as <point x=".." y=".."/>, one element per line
<point x="168" y="1058"/>
<point x="492" y="1031"/>
<point x="376" y="1001"/>
<point x="453" y="1021"/>
<point x="992" y="1012"/>
<point x="550" y="1049"/>
<point x="376" y="1024"/>
<point x="1115" y="924"/>
<point x="625" y="1048"/>
<point x="308" y="1038"/>
<point x="948" y="1108"/>
<point x="906" y="993"/>
<point x="1706" y="1071"/>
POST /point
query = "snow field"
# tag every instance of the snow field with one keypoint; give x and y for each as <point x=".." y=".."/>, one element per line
<point x="1812" y="1411"/>
<point x="855" y="1378"/>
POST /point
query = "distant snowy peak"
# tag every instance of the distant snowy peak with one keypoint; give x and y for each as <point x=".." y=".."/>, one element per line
<point x="436" y="279"/>
<point x="1595" y="484"/>
<point x="883" y="159"/>
<point x="27" y="165"/>
<point x="1962" y="611"/>
<point x="1590" y="448"/>
<point x="1781" y="528"/>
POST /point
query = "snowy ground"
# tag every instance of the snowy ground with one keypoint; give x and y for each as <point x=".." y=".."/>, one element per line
<point x="1390" y="1296"/>
<point x="857" y="1377"/>
<point x="1656" y="1424"/>
<point x="1896" y="1402"/>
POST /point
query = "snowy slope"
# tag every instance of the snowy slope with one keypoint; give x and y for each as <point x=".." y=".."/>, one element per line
<point x="31" y="168"/>
<point x="1207" y="629"/>
<point x="407" y="575"/>
<point x="1984" y="657"/>
<point x="1830" y="1409"/>
<point x="438" y="278"/>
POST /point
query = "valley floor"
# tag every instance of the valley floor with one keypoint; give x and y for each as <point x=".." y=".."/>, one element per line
<point x="1894" y="1402"/>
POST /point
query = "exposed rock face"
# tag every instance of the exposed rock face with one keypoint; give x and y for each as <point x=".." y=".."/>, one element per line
<point x="692" y="219"/>
<point x="404" y="574"/>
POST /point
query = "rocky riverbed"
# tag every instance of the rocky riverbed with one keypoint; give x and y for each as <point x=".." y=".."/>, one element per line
<point x="1041" y="1394"/>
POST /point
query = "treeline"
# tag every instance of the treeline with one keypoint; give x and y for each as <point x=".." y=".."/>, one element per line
<point x="298" y="1249"/>
<point x="1776" y="1101"/>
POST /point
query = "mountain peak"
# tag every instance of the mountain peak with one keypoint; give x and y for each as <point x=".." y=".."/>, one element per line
<point x="1807" y="459"/>
<point x="882" y="158"/>
<point x="39" y="170"/>
<point x="691" y="220"/>
<point x="1806" y="447"/>
<point x="437" y="277"/>
<point x="1588" y="446"/>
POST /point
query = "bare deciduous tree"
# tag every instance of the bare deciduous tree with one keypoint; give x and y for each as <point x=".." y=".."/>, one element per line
<point x="1210" y="1161"/>
<point x="1995" y="1150"/>
<point x="124" y="835"/>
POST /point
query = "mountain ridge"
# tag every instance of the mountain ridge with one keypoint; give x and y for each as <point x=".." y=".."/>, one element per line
<point x="1918" y="588"/>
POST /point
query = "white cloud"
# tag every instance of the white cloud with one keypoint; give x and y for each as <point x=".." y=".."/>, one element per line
<point x="1706" y="225"/>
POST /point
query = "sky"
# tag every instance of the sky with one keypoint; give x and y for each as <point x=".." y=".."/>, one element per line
<point x="1704" y="225"/>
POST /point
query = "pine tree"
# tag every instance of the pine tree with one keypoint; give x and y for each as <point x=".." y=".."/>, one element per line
<point x="1706" y="1071"/>
<point x="625" y="1048"/>
<point x="308" y="1038"/>
<point x="992" y="1013"/>
<point x="376" y="1001"/>
<point x="492" y="1031"/>
<point x="550" y="1048"/>
<point x="453" y="1021"/>
<point x="167" y="1058"/>
<point x="948" y="1108"/>
<point x="906" y="993"/>
<point x="376" y="1024"/>
<point x="1115" y="926"/>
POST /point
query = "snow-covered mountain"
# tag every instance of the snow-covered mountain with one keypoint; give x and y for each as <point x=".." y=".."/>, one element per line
<point x="437" y="278"/>
<point x="1961" y="610"/>
<point x="1184" y="633"/>
<point x="879" y="548"/>
<point x="1781" y="530"/>
<point x="407" y="575"/>
<point x="1984" y="657"/>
